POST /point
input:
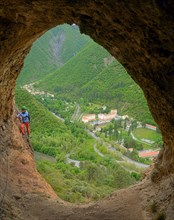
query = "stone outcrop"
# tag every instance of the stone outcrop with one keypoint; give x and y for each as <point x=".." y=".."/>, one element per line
<point x="139" y="34"/>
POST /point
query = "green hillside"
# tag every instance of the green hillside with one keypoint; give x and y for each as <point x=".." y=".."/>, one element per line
<point x="115" y="88"/>
<point x="78" y="71"/>
<point x="96" y="177"/>
<point x="72" y="66"/>
<point x="51" y="51"/>
<point x="96" y="77"/>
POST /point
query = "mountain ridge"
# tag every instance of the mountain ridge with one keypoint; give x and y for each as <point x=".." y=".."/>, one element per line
<point x="93" y="75"/>
<point x="51" y="51"/>
<point x="87" y="72"/>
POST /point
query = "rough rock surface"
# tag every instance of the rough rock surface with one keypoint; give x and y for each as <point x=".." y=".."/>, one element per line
<point x="139" y="34"/>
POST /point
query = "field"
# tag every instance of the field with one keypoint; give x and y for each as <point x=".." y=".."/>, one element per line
<point x="148" y="134"/>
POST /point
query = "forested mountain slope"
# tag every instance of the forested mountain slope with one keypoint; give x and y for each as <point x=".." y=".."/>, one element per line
<point x="94" y="75"/>
<point x="78" y="71"/>
<point x="96" y="177"/>
<point x="74" y="67"/>
<point x="115" y="88"/>
<point x="51" y="51"/>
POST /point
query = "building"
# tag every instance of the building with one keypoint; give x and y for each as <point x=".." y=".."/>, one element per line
<point x="108" y="117"/>
<point x="151" y="127"/>
<point x="124" y="117"/>
<point x="88" y="118"/>
<point x="101" y="116"/>
<point x="148" y="153"/>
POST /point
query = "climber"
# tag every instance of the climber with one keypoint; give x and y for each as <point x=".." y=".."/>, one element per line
<point x="25" y="121"/>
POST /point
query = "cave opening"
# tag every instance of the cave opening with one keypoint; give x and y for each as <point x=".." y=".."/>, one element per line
<point x="44" y="88"/>
<point x="140" y="36"/>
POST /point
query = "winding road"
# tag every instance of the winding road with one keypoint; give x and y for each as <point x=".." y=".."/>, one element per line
<point x="118" y="161"/>
<point x="110" y="148"/>
<point x="75" y="162"/>
<point x="97" y="151"/>
<point x="62" y="119"/>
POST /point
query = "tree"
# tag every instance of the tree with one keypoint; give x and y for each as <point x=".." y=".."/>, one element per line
<point x="110" y="131"/>
<point x="119" y="122"/>
<point x="116" y="134"/>
<point x="130" y="130"/>
<point x="120" y="136"/>
<point x="125" y="124"/>
<point x="91" y="172"/>
<point x="143" y="124"/>
<point x="137" y="176"/>
<point x="134" y="125"/>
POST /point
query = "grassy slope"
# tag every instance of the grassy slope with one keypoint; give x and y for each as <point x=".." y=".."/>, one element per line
<point x="51" y="51"/>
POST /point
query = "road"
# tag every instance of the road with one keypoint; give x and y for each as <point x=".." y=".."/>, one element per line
<point x="138" y="164"/>
<point x="102" y="155"/>
<point x="92" y="134"/>
<point x="42" y="156"/>
<point x="76" y="116"/>
<point x="76" y="113"/>
<point x="97" y="151"/>
<point x="110" y="148"/>
<point x="62" y="119"/>
<point x="75" y="162"/>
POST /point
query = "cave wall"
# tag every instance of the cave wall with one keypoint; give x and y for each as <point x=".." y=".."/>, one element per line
<point x="139" y="34"/>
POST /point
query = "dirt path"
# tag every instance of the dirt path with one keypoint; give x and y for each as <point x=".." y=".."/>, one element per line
<point x="122" y="205"/>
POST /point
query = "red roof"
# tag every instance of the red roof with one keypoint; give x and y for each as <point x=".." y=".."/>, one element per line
<point x="148" y="154"/>
<point x="150" y="126"/>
